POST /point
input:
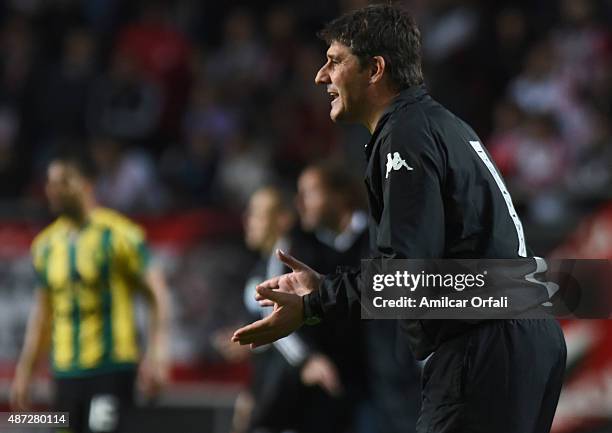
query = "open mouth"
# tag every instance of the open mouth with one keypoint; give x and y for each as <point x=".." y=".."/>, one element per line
<point x="333" y="96"/>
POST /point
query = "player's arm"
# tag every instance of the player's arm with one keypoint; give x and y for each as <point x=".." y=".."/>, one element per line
<point x="133" y="253"/>
<point x="35" y="347"/>
<point x="154" y="368"/>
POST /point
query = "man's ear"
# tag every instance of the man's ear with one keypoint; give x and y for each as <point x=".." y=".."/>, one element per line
<point x="377" y="69"/>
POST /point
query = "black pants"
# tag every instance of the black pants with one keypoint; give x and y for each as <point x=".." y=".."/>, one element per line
<point x="502" y="376"/>
<point x="96" y="403"/>
<point x="393" y="377"/>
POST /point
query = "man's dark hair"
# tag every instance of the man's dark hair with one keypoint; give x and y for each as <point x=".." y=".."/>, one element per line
<point x="381" y="30"/>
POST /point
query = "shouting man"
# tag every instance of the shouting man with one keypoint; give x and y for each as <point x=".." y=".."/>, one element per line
<point x="433" y="192"/>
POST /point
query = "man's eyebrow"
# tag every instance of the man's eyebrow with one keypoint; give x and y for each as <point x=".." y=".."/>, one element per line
<point x="333" y="56"/>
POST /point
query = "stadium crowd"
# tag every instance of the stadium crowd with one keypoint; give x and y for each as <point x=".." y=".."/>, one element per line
<point x="189" y="104"/>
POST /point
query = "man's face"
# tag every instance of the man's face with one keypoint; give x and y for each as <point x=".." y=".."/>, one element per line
<point x="314" y="201"/>
<point x="65" y="189"/>
<point x="260" y="224"/>
<point x="346" y="83"/>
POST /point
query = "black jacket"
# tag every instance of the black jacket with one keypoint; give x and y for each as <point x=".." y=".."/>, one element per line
<point x="433" y="192"/>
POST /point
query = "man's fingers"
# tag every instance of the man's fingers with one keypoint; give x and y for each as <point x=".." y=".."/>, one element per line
<point x="271" y="284"/>
<point x="291" y="261"/>
<point x="256" y="334"/>
<point x="263" y="331"/>
<point x="286" y="318"/>
<point x="266" y="303"/>
<point x="275" y="296"/>
<point x="263" y="301"/>
<point x="245" y="334"/>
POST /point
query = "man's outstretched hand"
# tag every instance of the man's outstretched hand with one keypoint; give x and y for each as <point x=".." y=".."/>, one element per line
<point x="285" y="294"/>
<point x="287" y="316"/>
<point x="301" y="281"/>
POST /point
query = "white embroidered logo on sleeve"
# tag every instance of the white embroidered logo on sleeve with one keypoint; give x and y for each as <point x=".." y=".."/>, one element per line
<point x="395" y="163"/>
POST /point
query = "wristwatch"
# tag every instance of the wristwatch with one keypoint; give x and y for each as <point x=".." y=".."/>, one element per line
<point x="310" y="318"/>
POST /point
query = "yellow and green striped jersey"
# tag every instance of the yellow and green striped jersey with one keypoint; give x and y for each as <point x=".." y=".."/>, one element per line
<point x="92" y="273"/>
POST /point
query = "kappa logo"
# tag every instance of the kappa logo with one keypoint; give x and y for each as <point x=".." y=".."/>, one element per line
<point x="395" y="163"/>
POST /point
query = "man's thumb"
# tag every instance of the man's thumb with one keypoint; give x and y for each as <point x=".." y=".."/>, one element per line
<point x="290" y="261"/>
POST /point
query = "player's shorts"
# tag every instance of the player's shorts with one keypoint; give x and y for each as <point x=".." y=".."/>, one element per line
<point x="503" y="376"/>
<point x="97" y="404"/>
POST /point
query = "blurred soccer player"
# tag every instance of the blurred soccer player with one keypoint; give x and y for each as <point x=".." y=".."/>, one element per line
<point x="90" y="263"/>
<point x="433" y="192"/>
<point x="330" y="206"/>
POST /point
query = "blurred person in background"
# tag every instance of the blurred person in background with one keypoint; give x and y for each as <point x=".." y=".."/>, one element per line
<point x="127" y="178"/>
<point x="543" y="88"/>
<point x="282" y="42"/>
<point x="190" y="168"/>
<point x="162" y="53"/>
<point x="592" y="178"/>
<point x="505" y="50"/>
<point x="237" y="65"/>
<point x="243" y="168"/>
<point x="123" y="103"/>
<point x="539" y="87"/>
<point x="580" y="40"/>
<point x="336" y="235"/>
<point x="11" y="177"/>
<point x="535" y="160"/>
<point x="18" y="55"/>
<point x="330" y="204"/>
<point x="90" y="263"/>
<point x="294" y="371"/>
<point x="68" y="81"/>
<point x="17" y="45"/>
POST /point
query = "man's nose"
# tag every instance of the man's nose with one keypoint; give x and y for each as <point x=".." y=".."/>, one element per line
<point x="322" y="76"/>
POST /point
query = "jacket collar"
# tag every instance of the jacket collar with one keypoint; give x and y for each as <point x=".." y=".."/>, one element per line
<point x="405" y="97"/>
